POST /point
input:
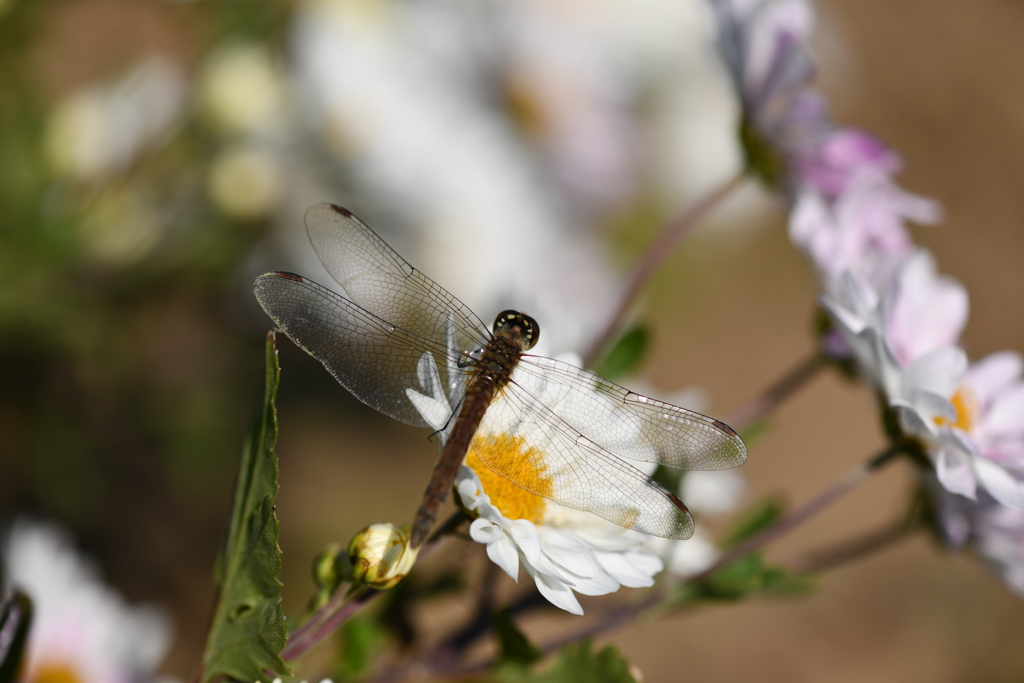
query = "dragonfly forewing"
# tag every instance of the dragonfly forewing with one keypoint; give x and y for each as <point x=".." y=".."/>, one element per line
<point x="381" y="282"/>
<point x="374" y="359"/>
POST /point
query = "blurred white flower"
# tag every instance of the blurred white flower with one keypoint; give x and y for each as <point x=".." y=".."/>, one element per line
<point x="408" y="96"/>
<point x="82" y="630"/>
<point x="101" y="129"/>
<point x="121" y="226"/>
<point x="243" y="89"/>
<point x="712" y="493"/>
<point x="245" y="182"/>
<point x="706" y="494"/>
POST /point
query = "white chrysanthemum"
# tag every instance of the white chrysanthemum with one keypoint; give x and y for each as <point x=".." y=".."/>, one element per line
<point x="562" y="549"/>
<point x="82" y="630"/>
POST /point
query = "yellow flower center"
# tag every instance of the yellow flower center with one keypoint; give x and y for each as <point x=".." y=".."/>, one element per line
<point x="966" y="405"/>
<point x="55" y="672"/>
<point x="509" y="457"/>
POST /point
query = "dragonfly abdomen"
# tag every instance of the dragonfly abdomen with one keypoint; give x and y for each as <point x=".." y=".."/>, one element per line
<point x="491" y="372"/>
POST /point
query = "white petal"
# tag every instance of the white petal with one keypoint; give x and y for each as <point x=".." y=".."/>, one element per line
<point x="993" y="373"/>
<point x="960" y="440"/>
<point x="913" y="422"/>
<point x="504" y="554"/>
<point x="932" y="406"/>
<point x="469" y="488"/>
<point x="483" y="531"/>
<point x="1006" y="415"/>
<point x="647" y="562"/>
<point x="556" y="591"/>
<point x="568" y="553"/>
<point x="601" y="583"/>
<point x="433" y="411"/>
<point x="426" y="372"/>
<point x="999" y="482"/>
<point x="623" y="570"/>
<point x="524" y="533"/>
<point x="954" y="471"/>
<point x="938" y="372"/>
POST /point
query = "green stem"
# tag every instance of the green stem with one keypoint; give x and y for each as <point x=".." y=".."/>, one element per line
<point x="663" y="245"/>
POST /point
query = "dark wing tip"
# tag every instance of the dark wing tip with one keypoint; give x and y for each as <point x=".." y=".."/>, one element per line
<point x="289" y="276"/>
<point x="725" y="428"/>
<point x="678" y="503"/>
<point x="342" y="210"/>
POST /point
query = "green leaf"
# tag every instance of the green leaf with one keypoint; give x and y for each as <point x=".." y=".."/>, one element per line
<point x="516" y="648"/>
<point x="755" y="519"/>
<point x="15" y="621"/>
<point x="575" y="663"/>
<point x="360" y="640"/>
<point x="626" y="355"/>
<point x="780" y="582"/>
<point x="248" y="629"/>
<point x="735" y="580"/>
<point x="749" y="576"/>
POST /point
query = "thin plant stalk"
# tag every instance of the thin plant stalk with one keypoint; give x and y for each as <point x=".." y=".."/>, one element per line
<point x="855" y="549"/>
<point x="808" y="510"/>
<point x="765" y="402"/>
<point x="663" y="245"/>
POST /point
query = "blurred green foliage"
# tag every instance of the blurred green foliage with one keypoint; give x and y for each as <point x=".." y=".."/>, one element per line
<point x="128" y="373"/>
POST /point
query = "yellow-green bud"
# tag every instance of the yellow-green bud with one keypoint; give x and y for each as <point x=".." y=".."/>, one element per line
<point x="381" y="556"/>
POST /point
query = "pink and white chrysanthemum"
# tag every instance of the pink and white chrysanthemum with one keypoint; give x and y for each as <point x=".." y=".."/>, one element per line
<point x="82" y="630"/>
<point x="861" y="231"/>
<point x="951" y="409"/>
<point x="988" y="429"/>
<point x="791" y="138"/>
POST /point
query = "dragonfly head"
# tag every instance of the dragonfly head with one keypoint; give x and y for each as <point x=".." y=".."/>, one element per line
<point x="519" y="326"/>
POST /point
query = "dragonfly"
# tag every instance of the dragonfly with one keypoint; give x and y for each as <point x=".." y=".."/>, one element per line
<point x="554" y="429"/>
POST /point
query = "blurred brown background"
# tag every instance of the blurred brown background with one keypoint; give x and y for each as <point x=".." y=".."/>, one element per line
<point x="129" y="380"/>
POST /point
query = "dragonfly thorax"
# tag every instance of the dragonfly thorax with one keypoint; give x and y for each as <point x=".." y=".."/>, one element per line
<point x="518" y="326"/>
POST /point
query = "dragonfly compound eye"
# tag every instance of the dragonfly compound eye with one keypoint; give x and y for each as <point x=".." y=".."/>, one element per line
<point x="518" y="324"/>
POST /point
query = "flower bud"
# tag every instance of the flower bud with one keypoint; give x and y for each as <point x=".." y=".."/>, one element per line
<point x="331" y="568"/>
<point x="381" y="556"/>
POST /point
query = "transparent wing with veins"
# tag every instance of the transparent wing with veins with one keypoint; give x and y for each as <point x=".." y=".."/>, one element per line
<point x="524" y="441"/>
<point x="372" y="339"/>
<point x="374" y="359"/>
<point x="628" y="424"/>
<point x="382" y="283"/>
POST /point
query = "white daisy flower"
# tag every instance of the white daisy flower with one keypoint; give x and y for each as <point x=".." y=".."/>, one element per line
<point x="562" y="549"/>
<point x="82" y="630"/>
